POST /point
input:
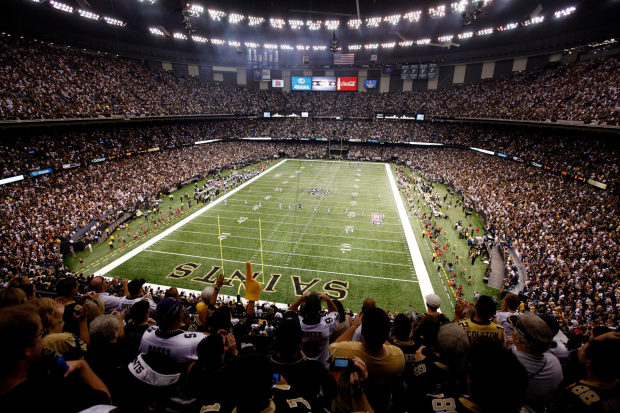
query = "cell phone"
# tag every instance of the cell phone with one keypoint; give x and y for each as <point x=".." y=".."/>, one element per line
<point x="340" y="363"/>
<point x="275" y="378"/>
<point x="55" y="363"/>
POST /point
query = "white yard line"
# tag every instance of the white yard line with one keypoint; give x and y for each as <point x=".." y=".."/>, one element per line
<point x="262" y="214"/>
<point x="418" y="263"/>
<point x="178" y="225"/>
<point x="292" y="242"/>
<point x="287" y="253"/>
<point x="217" y="260"/>
<point x="275" y="222"/>
<point x="314" y="235"/>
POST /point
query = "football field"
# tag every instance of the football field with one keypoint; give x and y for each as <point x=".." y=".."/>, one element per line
<point x="325" y="226"/>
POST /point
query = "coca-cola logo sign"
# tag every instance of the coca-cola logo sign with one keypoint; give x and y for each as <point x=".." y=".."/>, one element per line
<point x="346" y="84"/>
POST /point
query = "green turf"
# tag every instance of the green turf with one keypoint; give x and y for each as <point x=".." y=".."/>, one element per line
<point x="344" y="255"/>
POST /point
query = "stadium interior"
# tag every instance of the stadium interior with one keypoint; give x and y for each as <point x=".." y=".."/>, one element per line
<point x="354" y="206"/>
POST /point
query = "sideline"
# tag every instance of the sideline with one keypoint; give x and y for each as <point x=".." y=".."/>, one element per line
<point x="178" y="225"/>
<point x="418" y="263"/>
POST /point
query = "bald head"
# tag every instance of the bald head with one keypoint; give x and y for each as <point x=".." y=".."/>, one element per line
<point x="368" y="303"/>
<point x="96" y="284"/>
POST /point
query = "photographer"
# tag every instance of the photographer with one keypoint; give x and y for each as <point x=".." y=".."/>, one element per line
<point x="135" y="293"/>
<point x="384" y="362"/>
<point x="167" y="338"/>
<point x="308" y="377"/>
<point x="316" y="328"/>
<point x="32" y="380"/>
<point x="100" y="286"/>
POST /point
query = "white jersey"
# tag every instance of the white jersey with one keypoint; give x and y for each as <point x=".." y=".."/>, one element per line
<point x="315" y="337"/>
<point x="124" y="304"/>
<point x="180" y="346"/>
<point x="501" y="318"/>
<point x="110" y="302"/>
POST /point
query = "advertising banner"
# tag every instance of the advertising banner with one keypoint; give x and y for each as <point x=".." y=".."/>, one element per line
<point x="346" y="84"/>
<point x="41" y="172"/>
<point x="301" y="83"/>
<point x="370" y="84"/>
<point x="323" y="83"/>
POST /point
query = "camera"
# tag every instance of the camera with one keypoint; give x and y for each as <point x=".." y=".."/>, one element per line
<point x="344" y="365"/>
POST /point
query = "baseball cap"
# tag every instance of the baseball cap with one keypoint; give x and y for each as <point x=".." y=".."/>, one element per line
<point x="452" y="341"/>
<point x="168" y="309"/>
<point x="134" y="286"/>
<point x="433" y="301"/>
<point x="534" y="330"/>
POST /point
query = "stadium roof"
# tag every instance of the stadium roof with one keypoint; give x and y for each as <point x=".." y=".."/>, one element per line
<point x="395" y="31"/>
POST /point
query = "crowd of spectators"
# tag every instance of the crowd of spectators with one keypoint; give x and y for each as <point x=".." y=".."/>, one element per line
<point x="560" y="228"/>
<point x="594" y="157"/>
<point x="563" y="231"/>
<point x="102" y="345"/>
<point x="46" y="81"/>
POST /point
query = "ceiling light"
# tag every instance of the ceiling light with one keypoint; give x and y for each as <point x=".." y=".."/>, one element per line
<point x="437" y="12"/>
<point x="61" y="6"/>
<point x="255" y="21"/>
<point x="332" y="24"/>
<point x="354" y="23"/>
<point x="277" y="23"/>
<point x="114" y="22"/>
<point x="88" y="14"/>
<point x="314" y="25"/>
<point x="234" y="18"/>
<point x="413" y="16"/>
<point x="373" y="22"/>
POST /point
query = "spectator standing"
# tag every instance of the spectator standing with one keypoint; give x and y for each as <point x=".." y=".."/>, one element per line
<point x="167" y="338"/>
<point x="135" y="289"/>
<point x="480" y="324"/>
<point x="532" y="338"/>
<point x="384" y="362"/>
<point x="316" y="329"/>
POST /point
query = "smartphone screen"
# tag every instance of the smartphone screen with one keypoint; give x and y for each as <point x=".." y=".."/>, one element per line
<point x="341" y="362"/>
<point x="276" y="378"/>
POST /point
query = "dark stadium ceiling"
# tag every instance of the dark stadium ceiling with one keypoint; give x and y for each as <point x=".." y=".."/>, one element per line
<point x="392" y="30"/>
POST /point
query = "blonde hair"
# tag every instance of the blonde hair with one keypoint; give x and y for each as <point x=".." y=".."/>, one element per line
<point x="94" y="308"/>
<point x="47" y="310"/>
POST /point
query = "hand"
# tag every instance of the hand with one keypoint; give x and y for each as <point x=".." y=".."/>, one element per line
<point x="219" y="281"/>
<point x="419" y="356"/>
<point x="357" y="321"/>
<point x="74" y="365"/>
<point x="459" y="310"/>
<point x="359" y="363"/>
<point x="91" y="294"/>
<point x="305" y="294"/>
<point x="324" y="297"/>
<point x="610" y="335"/>
<point x="120" y="315"/>
<point x="230" y="344"/>
<point x="357" y="378"/>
